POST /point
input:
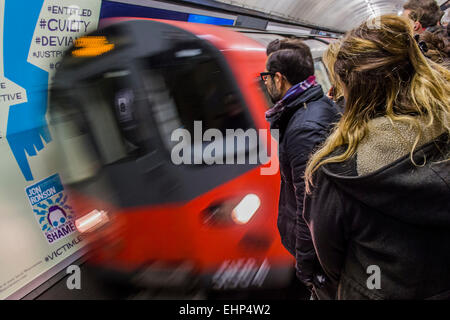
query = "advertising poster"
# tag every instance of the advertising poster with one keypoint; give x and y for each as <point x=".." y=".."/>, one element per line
<point x="37" y="230"/>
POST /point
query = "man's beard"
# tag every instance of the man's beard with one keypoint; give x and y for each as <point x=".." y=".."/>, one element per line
<point x="274" y="95"/>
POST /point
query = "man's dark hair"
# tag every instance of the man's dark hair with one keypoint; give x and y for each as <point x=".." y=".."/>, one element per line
<point x="292" y="58"/>
<point x="427" y="12"/>
<point x="278" y="44"/>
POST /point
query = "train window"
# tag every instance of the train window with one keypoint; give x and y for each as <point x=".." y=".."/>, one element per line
<point x="188" y="84"/>
<point x="103" y="114"/>
<point x="76" y="160"/>
<point x="109" y="102"/>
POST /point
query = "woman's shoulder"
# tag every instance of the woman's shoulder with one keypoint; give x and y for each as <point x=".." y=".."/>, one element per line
<point x="345" y="168"/>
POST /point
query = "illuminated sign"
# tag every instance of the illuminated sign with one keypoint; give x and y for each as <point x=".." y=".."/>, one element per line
<point x="91" y="46"/>
<point x="197" y="18"/>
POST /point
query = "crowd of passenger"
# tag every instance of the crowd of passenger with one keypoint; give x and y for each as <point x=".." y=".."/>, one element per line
<point x="365" y="168"/>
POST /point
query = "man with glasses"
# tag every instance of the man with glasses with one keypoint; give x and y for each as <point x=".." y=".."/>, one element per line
<point x="304" y="117"/>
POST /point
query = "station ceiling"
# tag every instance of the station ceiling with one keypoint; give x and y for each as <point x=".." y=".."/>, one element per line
<point x="339" y="15"/>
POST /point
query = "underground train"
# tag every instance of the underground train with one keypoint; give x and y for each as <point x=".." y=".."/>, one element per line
<point x="118" y="96"/>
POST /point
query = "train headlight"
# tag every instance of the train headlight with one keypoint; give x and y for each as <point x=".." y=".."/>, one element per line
<point x="245" y="209"/>
<point x="232" y="211"/>
<point x="91" y="221"/>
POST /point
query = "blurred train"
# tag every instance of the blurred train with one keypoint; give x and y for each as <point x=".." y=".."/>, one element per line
<point x="117" y="97"/>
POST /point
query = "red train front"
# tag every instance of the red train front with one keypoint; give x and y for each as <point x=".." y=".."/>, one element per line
<point x="138" y="106"/>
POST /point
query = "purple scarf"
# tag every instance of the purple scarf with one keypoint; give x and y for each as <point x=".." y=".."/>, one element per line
<point x="293" y="93"/>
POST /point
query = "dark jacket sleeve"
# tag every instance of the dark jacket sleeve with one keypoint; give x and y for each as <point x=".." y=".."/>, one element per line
<point x="300" y="144"/>
<point x="324" y="212"/>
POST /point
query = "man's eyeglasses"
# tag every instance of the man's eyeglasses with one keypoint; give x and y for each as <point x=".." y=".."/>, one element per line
<point x="265" y="75"/>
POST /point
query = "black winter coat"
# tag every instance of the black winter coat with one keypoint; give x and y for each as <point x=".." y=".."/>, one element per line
<point x="396" y="218"/>
<point x="304" y="125"/>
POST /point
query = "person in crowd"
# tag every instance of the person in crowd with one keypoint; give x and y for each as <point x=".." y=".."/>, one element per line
<point x="431" y="35"/>
<point x="304" y="117"/>
<point x="329" y="58"/>
<point x="425" y="14"/>
<point x="436" y="48"/>
<point x="378" y="190"/>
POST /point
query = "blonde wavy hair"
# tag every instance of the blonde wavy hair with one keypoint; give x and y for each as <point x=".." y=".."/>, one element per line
<point x="384" y="73"/>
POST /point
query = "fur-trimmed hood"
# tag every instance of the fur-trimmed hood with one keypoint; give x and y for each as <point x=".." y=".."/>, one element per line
<point x="387" y="141"/>
<point x="382" y="176"/>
